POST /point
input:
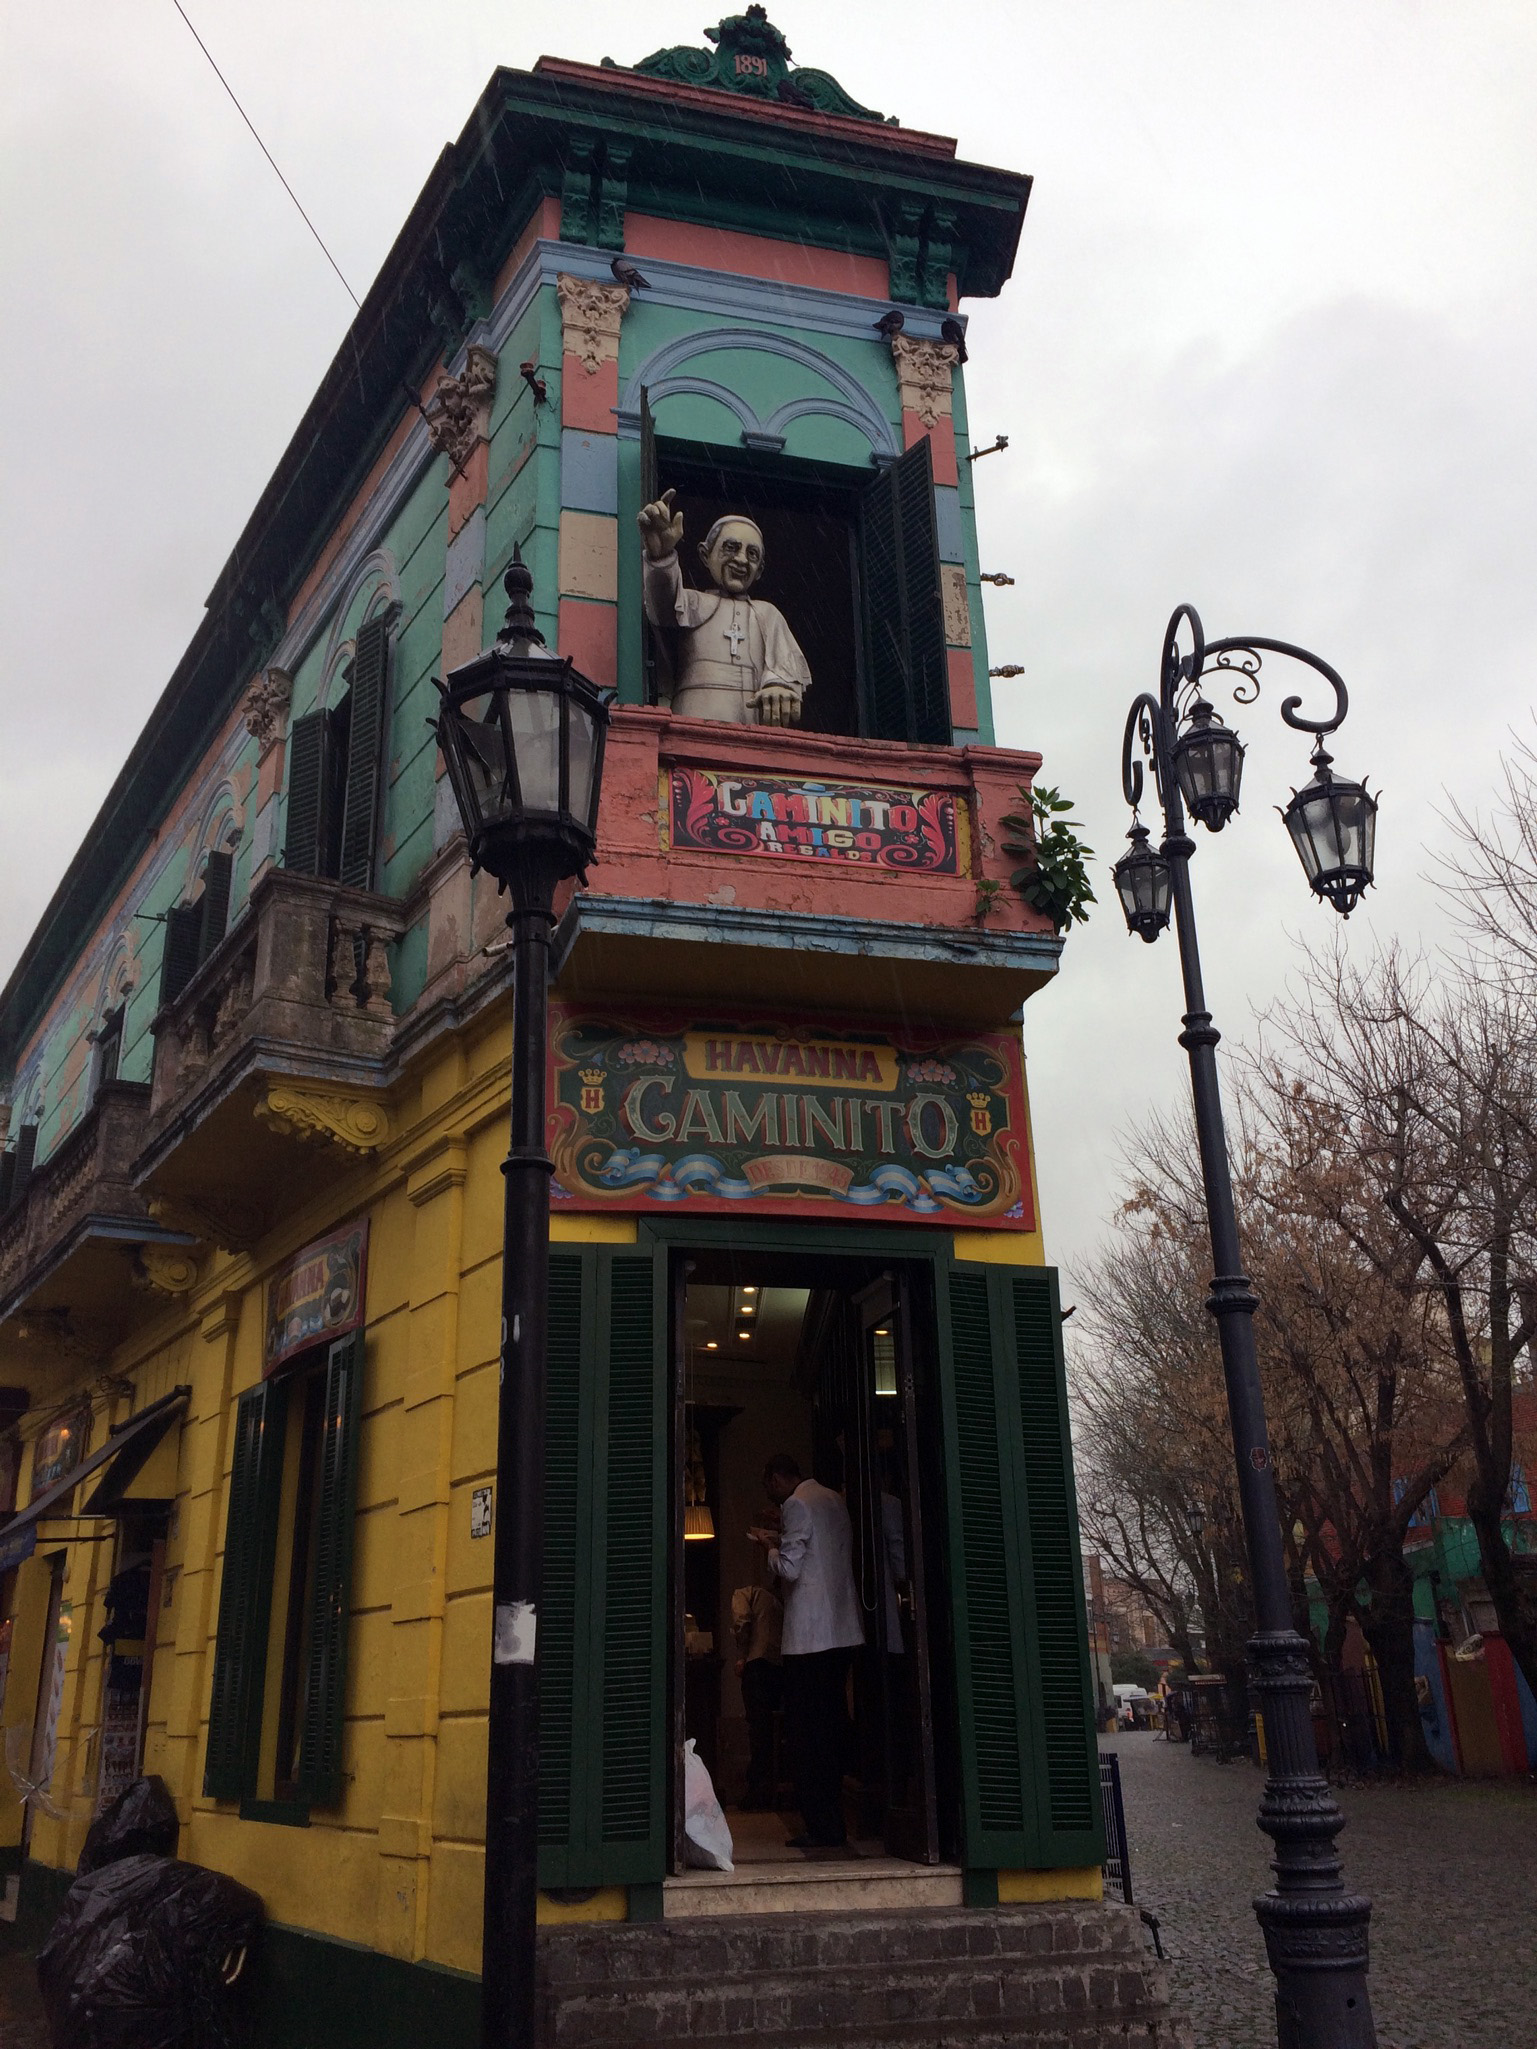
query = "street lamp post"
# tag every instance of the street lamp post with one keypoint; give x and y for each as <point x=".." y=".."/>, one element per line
<point x="522" y="735"/>
<point x="1315" y="1931"/>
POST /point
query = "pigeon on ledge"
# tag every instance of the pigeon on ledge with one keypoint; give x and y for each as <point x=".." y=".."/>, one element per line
<point x="955" y="334"/>
<point x="890" y="323"/>
<point x="627" y="274"/>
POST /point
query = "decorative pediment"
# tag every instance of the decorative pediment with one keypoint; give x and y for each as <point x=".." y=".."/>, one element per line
<point x="590" y="314"/>
<point x="751" y="57"/>
<point x="460" y="412"/>
<point x="924" y="376"/>
<point x="265" y="706"/>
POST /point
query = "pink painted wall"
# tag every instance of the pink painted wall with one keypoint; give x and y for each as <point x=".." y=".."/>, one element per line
<point x="632" y="862"/>
<point x="757" y="256"/>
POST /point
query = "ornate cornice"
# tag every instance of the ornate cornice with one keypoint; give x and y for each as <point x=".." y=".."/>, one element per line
<point x="357" y="1123"/>
<point x="924" y="376"/>
<point x="589" y="319"/>
<point x="460" y="412"/>
<point x="265" y="706"/>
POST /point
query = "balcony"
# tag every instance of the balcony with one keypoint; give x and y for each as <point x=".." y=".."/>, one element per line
<point x="807" y="869"/>
<point x="79" y="1230"/>
<point x="283" y="1035"/>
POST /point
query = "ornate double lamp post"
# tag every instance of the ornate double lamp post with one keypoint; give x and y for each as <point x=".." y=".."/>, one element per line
<point x="522" y="734"/>
<point x="1315" y="1931"/>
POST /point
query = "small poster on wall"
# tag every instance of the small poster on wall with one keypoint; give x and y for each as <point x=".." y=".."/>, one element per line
<point x="316" y="1296"/>
<point x="61" y="1447"/>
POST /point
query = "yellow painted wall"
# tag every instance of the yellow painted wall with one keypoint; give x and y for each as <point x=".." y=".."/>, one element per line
<point x="398" y="1865"/>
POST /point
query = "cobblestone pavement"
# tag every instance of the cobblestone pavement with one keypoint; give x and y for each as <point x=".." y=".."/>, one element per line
<point x="21" y="2011"/>
<point x="1451" y="1868"/>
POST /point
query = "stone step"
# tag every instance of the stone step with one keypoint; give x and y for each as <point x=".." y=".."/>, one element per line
<point x="829" y="1886"/>
<point x="719" y="1948"/>
<point x="1007" y="1978"/>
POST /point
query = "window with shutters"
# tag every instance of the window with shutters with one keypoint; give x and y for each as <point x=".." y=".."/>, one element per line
<point x="277" y="1713"/>
<point x="851" y="558"/>
<point x="336" y="772"/>
<point x="193" y="930"/>
<point x="106" y="1049"/>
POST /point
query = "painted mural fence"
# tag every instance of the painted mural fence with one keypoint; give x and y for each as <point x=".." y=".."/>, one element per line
<point x="718" y="1114"/>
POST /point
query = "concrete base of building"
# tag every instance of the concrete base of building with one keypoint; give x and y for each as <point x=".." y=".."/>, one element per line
<point x="1053" y="1977"/>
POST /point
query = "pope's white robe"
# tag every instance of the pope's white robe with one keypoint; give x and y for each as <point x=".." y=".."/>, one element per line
<point x="730" y="648"/>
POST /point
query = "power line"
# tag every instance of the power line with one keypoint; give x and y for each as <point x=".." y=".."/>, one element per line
<point x="240" y="110"/>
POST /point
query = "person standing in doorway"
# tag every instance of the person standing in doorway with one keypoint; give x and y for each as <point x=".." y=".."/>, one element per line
<point x="813" y="1555"/>
<point x="757" y="1622"/>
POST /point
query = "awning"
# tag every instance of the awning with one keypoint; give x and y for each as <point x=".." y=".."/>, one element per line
<point x="127" y="1447"/>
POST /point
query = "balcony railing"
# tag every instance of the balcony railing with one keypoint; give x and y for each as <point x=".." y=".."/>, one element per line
<point x="87" y="1181"/>
<point x="301" y="984"/>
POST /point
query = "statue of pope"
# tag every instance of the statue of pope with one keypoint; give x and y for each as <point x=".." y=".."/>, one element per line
<point x="740" y="662"/>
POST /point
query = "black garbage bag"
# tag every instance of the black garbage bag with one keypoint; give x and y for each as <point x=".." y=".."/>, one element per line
<point x="149" y="1953"/>
<point x="140" y="1822"/>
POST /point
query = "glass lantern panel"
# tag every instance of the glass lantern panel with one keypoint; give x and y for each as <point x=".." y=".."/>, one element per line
<point x="485" y="763"/>
<point x="583" y="760"/>
<point x="533" y="725"/>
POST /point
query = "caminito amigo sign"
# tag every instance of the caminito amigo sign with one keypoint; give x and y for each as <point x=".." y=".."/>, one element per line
<point x="871" y="824"/>
<point x="714" y="1114"/>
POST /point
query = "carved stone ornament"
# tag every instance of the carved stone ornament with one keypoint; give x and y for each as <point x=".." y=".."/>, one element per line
<point x="590" y="314"/>
<point x="350" y="1121"/>
<point x="265" y="709"/>
<point x="952" y="582"/>
<point x="459" y="414"/>
<point x="168" y="1269"/>
<point x="923" y="376"/>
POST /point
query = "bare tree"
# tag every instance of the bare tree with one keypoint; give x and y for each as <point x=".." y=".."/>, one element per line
<point x="1428" y="1078"/>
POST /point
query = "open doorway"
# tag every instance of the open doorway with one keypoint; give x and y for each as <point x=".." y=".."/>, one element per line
<point x="804" y="1670"/>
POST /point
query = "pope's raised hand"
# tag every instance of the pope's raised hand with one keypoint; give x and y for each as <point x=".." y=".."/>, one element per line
<point x="661" y="529"/>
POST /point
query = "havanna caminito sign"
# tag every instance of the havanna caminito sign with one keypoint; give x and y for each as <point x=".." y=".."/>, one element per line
<point x="784" y="818"/>
<point x="725" y="1114"/>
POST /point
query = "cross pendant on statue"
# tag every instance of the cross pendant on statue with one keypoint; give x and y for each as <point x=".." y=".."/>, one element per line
<point x="736" y="635"/>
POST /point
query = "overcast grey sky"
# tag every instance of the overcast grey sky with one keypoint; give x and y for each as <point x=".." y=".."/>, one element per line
<point x="1268" y="348"/>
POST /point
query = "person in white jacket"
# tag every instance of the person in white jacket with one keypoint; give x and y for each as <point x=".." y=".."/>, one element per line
<point x="813" y="1555"/>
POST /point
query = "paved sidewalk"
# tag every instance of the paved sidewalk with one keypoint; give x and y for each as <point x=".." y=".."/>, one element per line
<point x="21" y="2011"/>
<point x="1451" y="1868"/>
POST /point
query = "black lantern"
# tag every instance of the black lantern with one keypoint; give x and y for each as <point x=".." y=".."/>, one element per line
<point x="522" y="734"/>
<point x="1142" y="882"/>
<point x="1196" y="1516"/>
<point x="1208" y="763"/>
<point x="1333" y="825"/>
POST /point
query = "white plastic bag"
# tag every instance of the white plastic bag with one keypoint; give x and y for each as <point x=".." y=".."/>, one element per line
<point x="707" y="1839"/>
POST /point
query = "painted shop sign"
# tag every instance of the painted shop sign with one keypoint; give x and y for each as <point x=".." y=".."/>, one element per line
<point x="714" y="811"/>
<point x="722" y="1114"/>
<point x="61" y="1447"/>
<point x="317" y="1296"/>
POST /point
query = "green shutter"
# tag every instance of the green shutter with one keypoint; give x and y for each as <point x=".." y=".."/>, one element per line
<point x="905" y="679"/>
<point x="603" y="1611"/>
<point x="245" y="1594"/>
<point x="21" y="1163"/>
<point x="365" y="740"/>
<point x="1028" y="1768"/>
<point x="565" y="1499"/>
<point x="1068" y="1751"/>
<point x="635" y="1535"/>
<point x="213" y="906"/>
<point x="179" y="959"/>
<point x="325" y="1681"/>
<point x="304" y="836"/>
